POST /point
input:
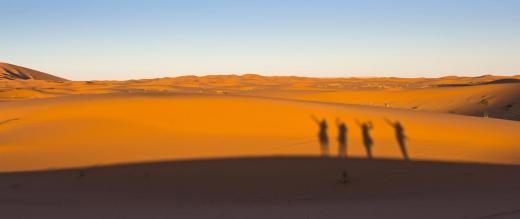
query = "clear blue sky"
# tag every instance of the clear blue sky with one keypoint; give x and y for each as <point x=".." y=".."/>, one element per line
<point x="123" y="39"/>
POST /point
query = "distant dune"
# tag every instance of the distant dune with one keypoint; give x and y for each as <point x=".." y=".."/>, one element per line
<point x="496" y="100"/>
<point x="484" y="96"/>
<point x="14" y="72"/>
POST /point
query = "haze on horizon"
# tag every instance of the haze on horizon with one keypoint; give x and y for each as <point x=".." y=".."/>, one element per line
<point x="116" y="39"/>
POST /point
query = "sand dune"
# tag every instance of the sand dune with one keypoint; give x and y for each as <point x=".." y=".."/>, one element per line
<point x="493" y="100"/>
<point x="104" y="129"/>
<point x="14" y="72"/>
<point x="230" y="146"/>
<point x="485" y="96"/>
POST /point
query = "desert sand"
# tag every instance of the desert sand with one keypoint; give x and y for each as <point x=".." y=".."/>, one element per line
<point x="246" y="146"/>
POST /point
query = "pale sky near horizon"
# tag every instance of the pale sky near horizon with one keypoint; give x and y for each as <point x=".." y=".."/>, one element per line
<point x="117" y="39"/>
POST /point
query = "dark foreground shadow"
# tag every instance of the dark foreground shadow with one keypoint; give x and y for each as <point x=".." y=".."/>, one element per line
<point x="273" y="181"/>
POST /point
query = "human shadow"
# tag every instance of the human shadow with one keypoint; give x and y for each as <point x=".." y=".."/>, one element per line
<point x="400" y="136"/>
<point x="342" y="138"/>
<point x="323" y="138"/>
<point x="366" y="127"/>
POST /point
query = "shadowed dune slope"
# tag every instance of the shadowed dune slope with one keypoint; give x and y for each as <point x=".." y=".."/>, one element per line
<point x="14" y="72"/>
<point x="275" y="187"/>
<point x="105" y="129"/>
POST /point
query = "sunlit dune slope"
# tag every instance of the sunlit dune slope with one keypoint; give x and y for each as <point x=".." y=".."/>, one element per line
<point x="492" y="100"/>
<point x="104" y="129"/>
<point x="14" y="72"/>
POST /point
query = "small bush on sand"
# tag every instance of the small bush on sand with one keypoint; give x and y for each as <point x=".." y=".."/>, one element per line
<point x="82" y="173"/>
<point x="344" y="178"/>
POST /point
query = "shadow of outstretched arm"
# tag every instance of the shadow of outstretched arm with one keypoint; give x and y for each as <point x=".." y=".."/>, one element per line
<point x="9" y="120"/>
<point x="315" y="119"/>
<point x="388" y="121"/>
<point x="358" y="123"/>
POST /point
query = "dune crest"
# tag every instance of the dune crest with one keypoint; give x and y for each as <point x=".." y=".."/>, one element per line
<point x="14" y="72"/>
<point x="483" y="96"/>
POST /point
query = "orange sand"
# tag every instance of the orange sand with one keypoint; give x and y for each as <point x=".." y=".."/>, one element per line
<point x="104" y="129"/>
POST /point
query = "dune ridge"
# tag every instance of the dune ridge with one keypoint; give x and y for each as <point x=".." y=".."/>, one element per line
<point x="14" y="72"/>
<point x="484" y="96"/>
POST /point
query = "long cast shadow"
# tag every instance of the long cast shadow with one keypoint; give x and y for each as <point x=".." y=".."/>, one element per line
<point x="342" y="138"/>
<point x="400" y="137"/>
<point x="323" y="137"/>
<point x="368" y="142"/>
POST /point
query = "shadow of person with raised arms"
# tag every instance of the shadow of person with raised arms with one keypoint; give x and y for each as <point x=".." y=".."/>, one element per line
<point x="400" y="137"/>
<point x="322" y="136"/>
<point x="342" y="138"/>
<point x="367" y="139"/>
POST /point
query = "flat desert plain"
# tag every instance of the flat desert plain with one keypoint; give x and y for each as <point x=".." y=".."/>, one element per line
<point x="247" y="146"/>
